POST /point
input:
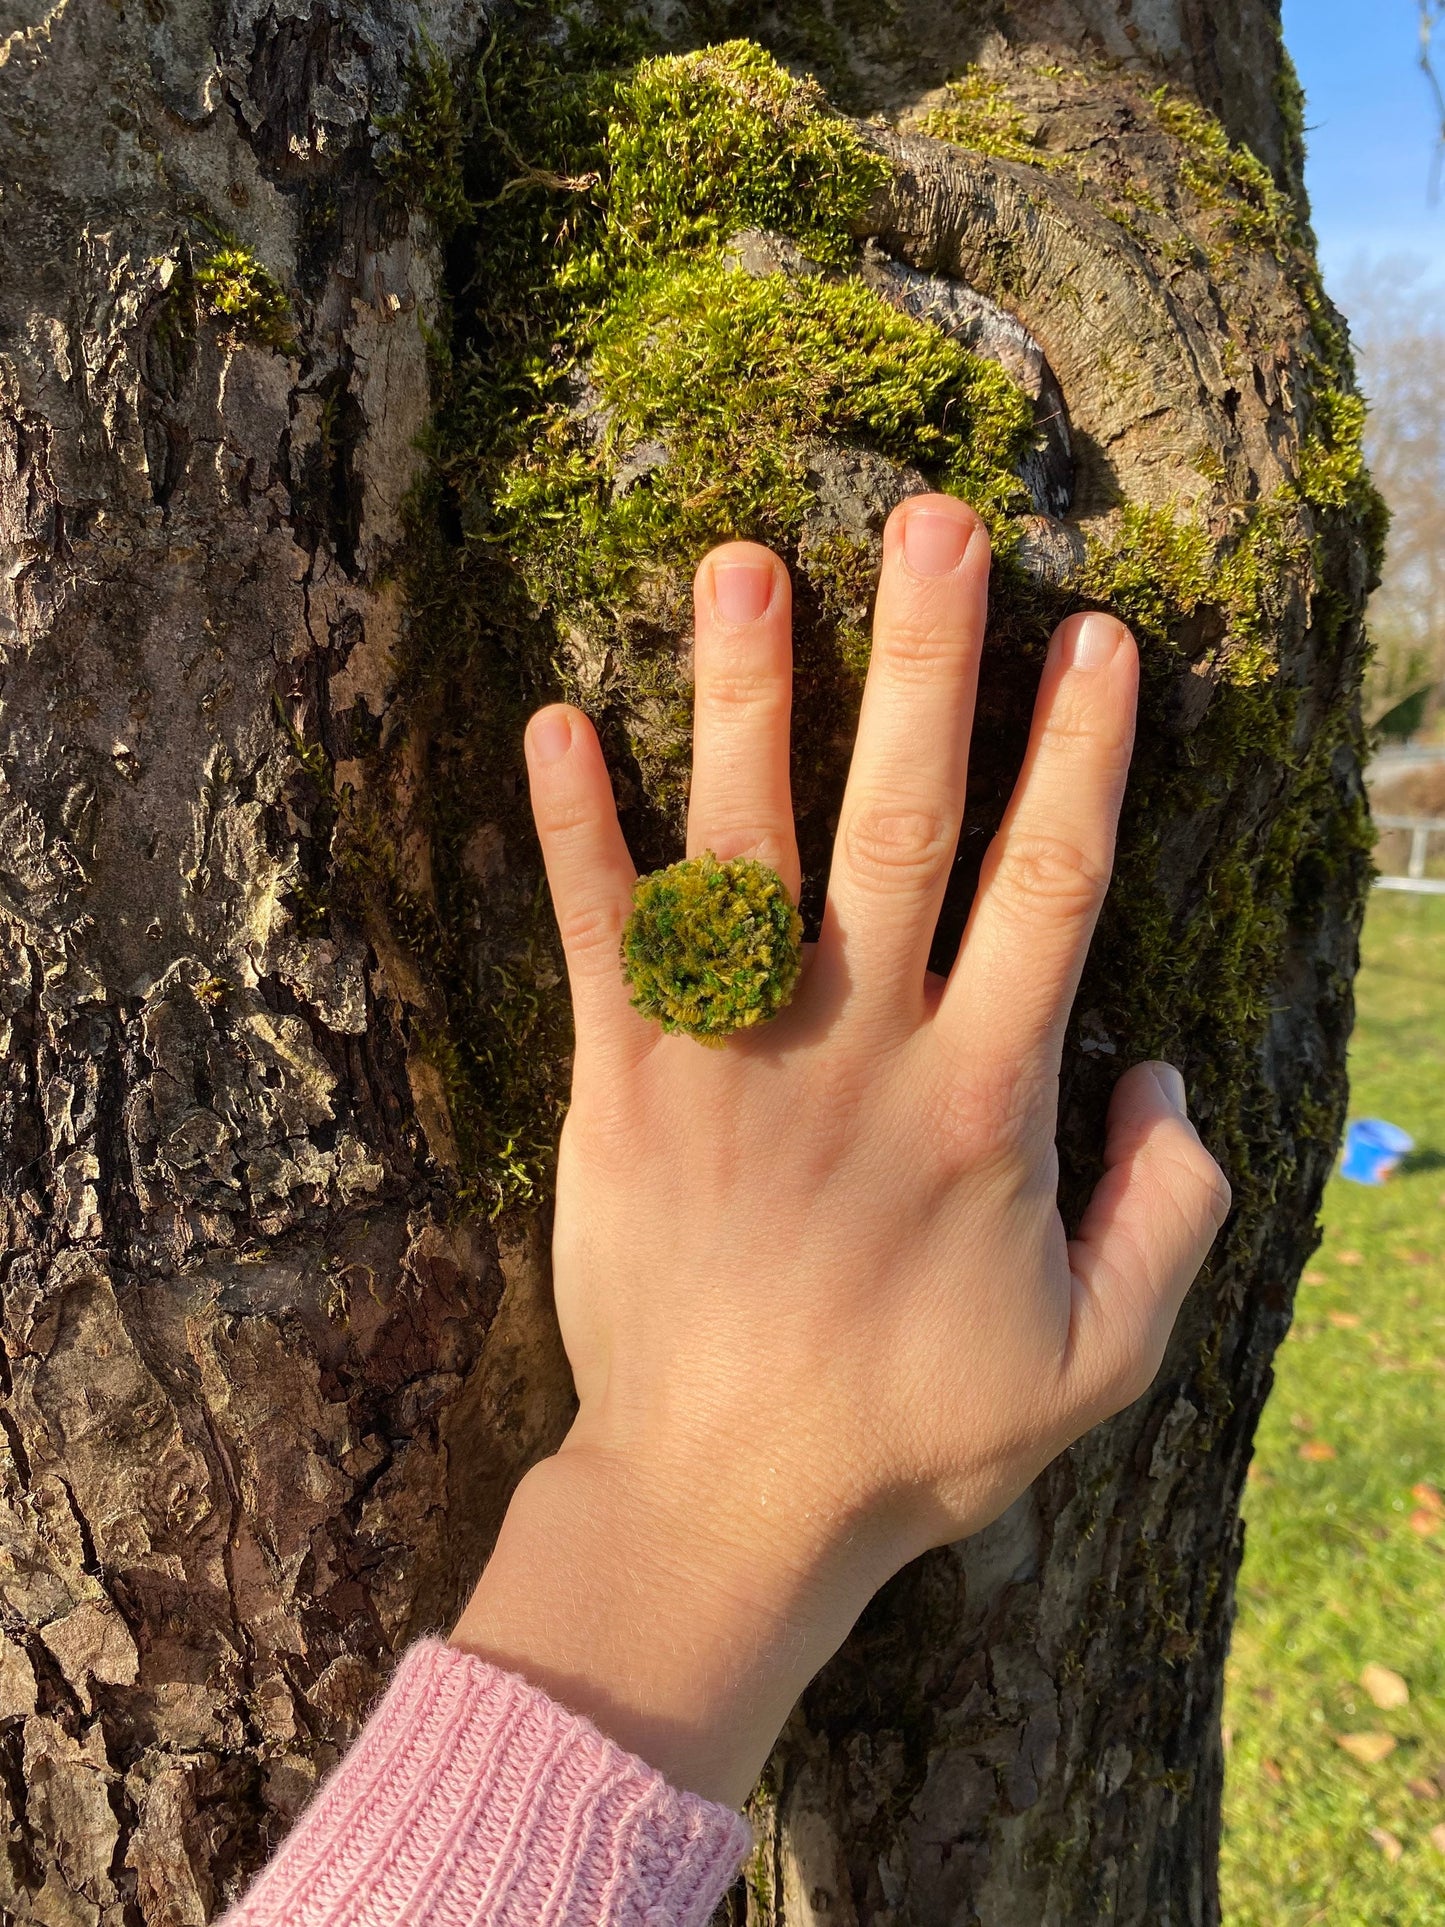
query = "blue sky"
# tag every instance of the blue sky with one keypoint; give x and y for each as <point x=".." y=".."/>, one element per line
<point x="1371" y="130"/>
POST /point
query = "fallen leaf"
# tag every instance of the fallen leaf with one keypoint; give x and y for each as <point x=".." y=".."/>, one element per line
<point x="1317" y="1451"/>
<point x="1350" y="1257"/>
<point x="1387" y="1843"/>
<point x="1437" y="1838"/>
<point x="1385" y="1688"/>
<point x="1423" y="1789"/>
<point x="1314" y="1278"/>
<point x="1272" y="1772"/>
<point x="1368" y="1748"/>
<point x="1425" y="1523"/>
<point x="1346" y="1321"/>
<point x="1425" y="1495"/>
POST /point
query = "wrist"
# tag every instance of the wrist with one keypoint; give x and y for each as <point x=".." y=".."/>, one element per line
<point x="669" y="1613"/>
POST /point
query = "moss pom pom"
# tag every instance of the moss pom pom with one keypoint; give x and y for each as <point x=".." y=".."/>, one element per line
<point x="712" y="948"/>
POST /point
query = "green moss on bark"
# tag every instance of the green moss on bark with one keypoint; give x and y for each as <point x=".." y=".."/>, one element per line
<point x="979" y="114"/>
<point x="1289" y="98"/>
<point x="700" y="145"/>
<point x="1254" y="211"/>
<point x="725" y="384"/>
<point x="236" y="289"/>
<point x="419" y="155"/>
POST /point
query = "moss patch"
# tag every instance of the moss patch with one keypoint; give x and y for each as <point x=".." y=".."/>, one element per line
<point x="1254" y="210"/>
<point x="1289" y="98"/>
<point x="979" y="114"/>
<point x="680" y="399"/>
<point x="236" y="289"/>
<point x="419" y="156"/>
<point x="700" y="145"/>
<point x="727" y="382"/>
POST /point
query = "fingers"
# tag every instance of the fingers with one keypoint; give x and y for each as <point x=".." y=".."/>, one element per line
<point x="898" y="828"/>
<point x="588" y="869"/>
<point x="1146" y="1232"/>
<point x="1046" y="872"/>
<point x="740" y="803"/>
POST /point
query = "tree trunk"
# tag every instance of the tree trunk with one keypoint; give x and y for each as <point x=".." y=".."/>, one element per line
<point x="305" y="439"/>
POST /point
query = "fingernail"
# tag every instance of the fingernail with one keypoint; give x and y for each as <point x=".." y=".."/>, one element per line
<point x="1094" y="642"/>
<point x="741" y="591"/>
<point x="934" y="541"/>
<point x="550" y="736"/>
<point x="1172" y="1085"/>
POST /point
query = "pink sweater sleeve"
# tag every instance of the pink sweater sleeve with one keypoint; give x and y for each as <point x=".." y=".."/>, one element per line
<point x="471" y="1799"/>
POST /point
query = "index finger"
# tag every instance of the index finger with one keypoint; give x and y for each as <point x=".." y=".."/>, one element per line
<point x="1046" y="873"/>
<point x="589" y="871"/>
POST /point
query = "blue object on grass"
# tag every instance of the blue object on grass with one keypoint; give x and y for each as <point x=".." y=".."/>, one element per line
<point x="1372" y="1150"/>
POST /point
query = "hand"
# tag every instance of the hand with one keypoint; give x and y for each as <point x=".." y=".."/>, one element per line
<point x="815" y="1290"/>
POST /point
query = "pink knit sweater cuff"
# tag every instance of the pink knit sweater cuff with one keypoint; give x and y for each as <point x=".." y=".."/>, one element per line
<point x="474" y="1800"/>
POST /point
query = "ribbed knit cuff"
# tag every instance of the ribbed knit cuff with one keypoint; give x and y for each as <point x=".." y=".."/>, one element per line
<point x="471" y="1799"/>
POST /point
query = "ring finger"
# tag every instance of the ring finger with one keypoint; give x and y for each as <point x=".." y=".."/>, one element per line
<point x="741" y="802"/>
<point x="1045" y="875"/>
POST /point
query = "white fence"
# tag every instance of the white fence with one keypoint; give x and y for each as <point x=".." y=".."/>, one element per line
<point x="1421" y="829"/>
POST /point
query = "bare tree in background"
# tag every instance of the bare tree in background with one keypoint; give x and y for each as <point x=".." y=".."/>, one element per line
<point x="1397" y="317"/>
<point x="1432" y="13"/>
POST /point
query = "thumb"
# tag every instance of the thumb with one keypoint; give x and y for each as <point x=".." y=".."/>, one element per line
<point x="1146" y="1231"/>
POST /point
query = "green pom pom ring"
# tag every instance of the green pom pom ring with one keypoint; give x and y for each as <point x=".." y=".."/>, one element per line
<point x="712" y="948"/>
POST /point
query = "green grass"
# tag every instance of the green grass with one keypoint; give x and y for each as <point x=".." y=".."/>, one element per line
<point x="1335" y="1575"/>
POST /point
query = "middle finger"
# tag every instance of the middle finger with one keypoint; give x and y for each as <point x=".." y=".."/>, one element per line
<point x="740" y="803"/>
<point x="903" y="805"/>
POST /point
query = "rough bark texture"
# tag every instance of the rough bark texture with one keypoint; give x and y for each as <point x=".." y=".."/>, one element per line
<point x="269" y="1383"/>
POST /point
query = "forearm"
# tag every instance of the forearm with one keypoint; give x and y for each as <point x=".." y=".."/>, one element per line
<point x="666" y="1615"/>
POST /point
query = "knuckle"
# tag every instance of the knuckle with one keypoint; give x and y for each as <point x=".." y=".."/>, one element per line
<point x="1076" y="733"/>
<point x="895" y="846"/>
<point x="738" y="690"/>
<point x="1199" y="1189"/>
<point x="1218" y="1196"/>
<point x="589" y="930"/>
<point x="744" y="839"/>
<point x="564" y="818"/>
<point x="912" y="646"/>
<point x="1135" y="1373"/>
<point x="1050" y="872"/>
<point x="989" y="1108"/>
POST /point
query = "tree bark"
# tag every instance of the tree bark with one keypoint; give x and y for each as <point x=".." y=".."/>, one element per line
<point x="284" y="1025"/>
